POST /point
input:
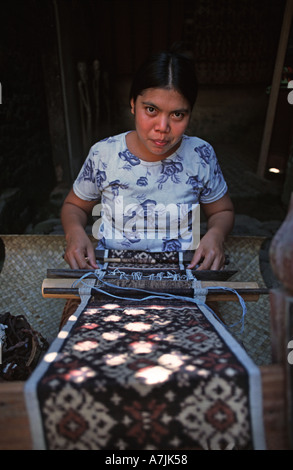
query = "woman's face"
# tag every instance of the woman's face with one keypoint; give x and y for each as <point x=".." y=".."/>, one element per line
<point x="161" y="118"/>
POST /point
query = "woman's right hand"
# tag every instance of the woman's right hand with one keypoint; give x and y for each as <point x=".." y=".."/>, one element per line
<point x="80" y="253"/>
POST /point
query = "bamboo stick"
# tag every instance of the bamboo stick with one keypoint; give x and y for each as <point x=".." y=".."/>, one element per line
<point x="63" y="288"/>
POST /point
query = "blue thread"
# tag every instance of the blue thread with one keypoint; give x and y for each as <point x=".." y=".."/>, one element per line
<point x="167" y="296"/>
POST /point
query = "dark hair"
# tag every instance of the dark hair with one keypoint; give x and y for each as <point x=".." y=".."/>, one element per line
<point x="166" y="70"/>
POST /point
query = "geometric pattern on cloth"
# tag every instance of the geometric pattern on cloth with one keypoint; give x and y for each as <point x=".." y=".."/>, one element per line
<point x="143" y="376"/>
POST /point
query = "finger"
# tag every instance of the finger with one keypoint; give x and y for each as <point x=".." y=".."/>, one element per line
<point x="219" y="263"/>
<point x="207" y="262"/>
<point x="78" y="259"/>
<point x="205" y="265"/>
<point x="91" y="263"/>
<point x="212" y="263"/>
<point x="215" y="265"/>
<point x="91" y="258"/>
<point x="195" y="260"/>
<point x="72" y="262"/>
<point x="84" y="263"/>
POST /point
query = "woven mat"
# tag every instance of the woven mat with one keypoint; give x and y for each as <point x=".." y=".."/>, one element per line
<point x="139" y="376"/>
<point x="27" y="258"/>
<point x="244" y="254"/>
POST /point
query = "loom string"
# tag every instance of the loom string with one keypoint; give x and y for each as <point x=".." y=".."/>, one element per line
<point x="164" y="295"/>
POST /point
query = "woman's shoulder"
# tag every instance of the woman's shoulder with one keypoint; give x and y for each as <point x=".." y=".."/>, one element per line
<point x="196" y="142"/>
<point x="111" y="143"/>
<point x="198" y="149"/>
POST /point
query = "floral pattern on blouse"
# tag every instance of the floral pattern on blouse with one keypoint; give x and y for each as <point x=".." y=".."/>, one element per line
<point x="154" y="197"/>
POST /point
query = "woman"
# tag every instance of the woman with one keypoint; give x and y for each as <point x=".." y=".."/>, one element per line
<point x="139" y="173"/>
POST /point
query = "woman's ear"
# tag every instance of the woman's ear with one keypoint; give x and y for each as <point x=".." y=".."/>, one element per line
<point x="132" y="106"/>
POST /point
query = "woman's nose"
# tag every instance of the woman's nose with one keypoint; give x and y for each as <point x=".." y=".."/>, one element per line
<point x="162" y="124"/>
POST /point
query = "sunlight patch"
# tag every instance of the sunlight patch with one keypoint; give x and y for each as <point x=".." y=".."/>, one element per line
<point x="137" y="326"/>
<point x="153" y="375"/>
<point x="86" y="345"/>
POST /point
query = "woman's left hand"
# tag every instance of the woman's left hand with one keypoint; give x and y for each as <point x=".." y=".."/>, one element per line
<point x="210" y="253"/>
<point x="220" y="219"/>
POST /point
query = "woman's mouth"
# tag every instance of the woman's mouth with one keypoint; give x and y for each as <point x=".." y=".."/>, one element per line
<point x="160" y="143"/>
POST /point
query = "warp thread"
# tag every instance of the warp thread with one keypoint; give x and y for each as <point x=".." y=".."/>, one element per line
<point x="198" y="298"/>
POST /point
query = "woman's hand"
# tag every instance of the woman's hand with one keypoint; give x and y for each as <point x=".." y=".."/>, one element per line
<point x="220" y="219"/>
<point x="80" y="253"/>
<point x="210" y="252"/>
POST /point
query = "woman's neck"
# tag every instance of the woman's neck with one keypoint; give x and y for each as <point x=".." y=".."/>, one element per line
<point x="138" y="150"/>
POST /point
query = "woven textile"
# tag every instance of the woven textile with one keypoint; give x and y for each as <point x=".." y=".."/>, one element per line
<point x="139" y="376"/>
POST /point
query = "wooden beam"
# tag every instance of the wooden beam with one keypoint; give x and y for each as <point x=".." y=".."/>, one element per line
<point x="277" y="76"/>
<point x="249" y="291"/>
<point x="275" y="407"/>
<point x="14" y="421"/>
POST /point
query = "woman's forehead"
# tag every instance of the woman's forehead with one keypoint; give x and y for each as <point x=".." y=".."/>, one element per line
<point x="164" y="97"/>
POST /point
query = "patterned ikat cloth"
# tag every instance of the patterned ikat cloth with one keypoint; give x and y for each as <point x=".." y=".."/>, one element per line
<point x="131" y="375"/>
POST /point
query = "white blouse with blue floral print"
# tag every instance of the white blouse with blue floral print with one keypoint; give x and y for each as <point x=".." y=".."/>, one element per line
<point x="149" y="206"/>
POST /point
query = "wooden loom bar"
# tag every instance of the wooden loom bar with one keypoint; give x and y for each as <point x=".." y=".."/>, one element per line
<point x="62" y="288"/>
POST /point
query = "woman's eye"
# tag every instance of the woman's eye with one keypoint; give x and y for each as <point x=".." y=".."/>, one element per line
<point x="178" y="115"/>
<point x="150" y="109"/>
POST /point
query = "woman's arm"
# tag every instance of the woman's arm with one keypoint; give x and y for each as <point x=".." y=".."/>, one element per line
<point x="220" y="220"/>
<point x="79" y="252"/>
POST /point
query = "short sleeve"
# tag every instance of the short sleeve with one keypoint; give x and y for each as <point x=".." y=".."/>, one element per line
<point x="214" y="186"/>
<point x="86" y="185"/>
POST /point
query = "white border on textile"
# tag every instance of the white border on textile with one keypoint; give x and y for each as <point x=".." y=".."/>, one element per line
<point x="31" y="385"/>
<point x="255" y="384"/>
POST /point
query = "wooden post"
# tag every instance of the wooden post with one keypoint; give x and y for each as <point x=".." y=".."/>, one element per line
<point x="277" y="76"/>
<point x="281" y="257"/>
<point x="14" y="421"/>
